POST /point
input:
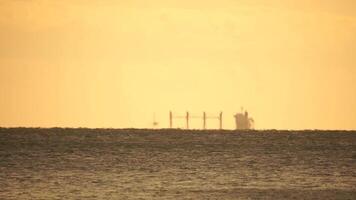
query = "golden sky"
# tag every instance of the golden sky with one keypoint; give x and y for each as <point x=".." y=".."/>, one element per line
<point x="79" y="63"/>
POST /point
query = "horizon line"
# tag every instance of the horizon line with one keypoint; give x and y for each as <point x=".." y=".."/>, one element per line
<point x="180" y="129"/>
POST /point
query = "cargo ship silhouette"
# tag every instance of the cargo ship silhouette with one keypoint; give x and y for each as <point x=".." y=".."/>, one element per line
<point x="242" y="119"/>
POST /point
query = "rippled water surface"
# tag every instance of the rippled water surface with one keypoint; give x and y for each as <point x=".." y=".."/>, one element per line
<point x="176" y="164"/>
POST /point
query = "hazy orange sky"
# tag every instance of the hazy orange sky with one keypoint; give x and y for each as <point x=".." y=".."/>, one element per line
<point x="79" y="63"/>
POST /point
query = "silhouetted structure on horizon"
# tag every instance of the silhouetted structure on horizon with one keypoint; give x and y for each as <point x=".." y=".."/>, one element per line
<point x="155" y="122"/>
<point x="243" y="122"/>
<point x="187" y="118"/>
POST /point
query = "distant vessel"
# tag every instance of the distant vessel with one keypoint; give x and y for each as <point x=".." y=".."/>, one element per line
<point x="154" y="123"/>
<point x="243" y="122"/>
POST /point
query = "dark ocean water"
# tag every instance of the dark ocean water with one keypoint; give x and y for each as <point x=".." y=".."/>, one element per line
<point x="176" y="164"/>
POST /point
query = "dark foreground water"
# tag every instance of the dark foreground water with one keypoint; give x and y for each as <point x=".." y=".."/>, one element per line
<point x="173" y="164"/>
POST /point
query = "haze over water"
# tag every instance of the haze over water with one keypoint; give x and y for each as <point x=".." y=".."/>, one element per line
<point x="67" y="63"/>
<point x="126" y="64"/>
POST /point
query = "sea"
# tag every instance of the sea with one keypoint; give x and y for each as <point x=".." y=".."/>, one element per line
<point x="63" y="163"/>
